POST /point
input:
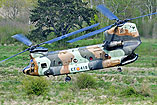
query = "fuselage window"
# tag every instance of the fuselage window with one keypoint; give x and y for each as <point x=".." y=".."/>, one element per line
<point x="59" y="63"/>
<point x="75" y="60"/>
<point x="90" y="58"/>
<point x="32" y="67"/>
<point x="100" y="55"/>
<point x="44" y="65"/>
<point x="54" y="62"/>
<point x="71" y="59"/>
<point x="106" y="56"/>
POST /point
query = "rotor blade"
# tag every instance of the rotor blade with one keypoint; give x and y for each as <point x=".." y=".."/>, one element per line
<point x="15" y="55"/>
<point x="69" y="34"/>
<point x="141" y="16"/>
<point x="22" y="39"/>
<point x="90" y="34"/>
<point x="106" y="12"/>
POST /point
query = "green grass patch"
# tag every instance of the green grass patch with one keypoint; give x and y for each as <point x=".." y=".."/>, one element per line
<point x="135" y="84"/>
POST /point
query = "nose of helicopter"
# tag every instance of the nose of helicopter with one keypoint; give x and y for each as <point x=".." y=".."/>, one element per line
<point x="32" y="68"/>
<point x="26" y="70"/>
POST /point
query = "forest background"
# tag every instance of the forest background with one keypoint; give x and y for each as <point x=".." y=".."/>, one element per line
<point x="14" y="17"/>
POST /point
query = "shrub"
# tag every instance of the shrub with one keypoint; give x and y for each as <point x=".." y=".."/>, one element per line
<point x="85" y="81"/>
<point x="129" y="91"/>
<point x="144" y="90"/>
<point x="35" y="85"/>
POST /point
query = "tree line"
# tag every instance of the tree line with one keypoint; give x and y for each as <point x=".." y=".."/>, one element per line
<point x="44" y="19"/>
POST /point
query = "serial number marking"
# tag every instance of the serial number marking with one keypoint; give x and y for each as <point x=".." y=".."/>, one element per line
<point x="79" y="68"/>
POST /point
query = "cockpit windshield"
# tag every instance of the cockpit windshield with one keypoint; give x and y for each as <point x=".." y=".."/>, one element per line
<point x="32" y="68"/>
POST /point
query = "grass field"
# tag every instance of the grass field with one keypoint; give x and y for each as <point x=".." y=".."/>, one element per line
<point x="137" y="84"/>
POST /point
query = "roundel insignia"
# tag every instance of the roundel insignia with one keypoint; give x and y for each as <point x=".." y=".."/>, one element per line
<point x="77" y="68"/>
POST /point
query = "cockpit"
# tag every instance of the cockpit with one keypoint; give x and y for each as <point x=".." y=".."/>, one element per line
<point x="32" y="68"/>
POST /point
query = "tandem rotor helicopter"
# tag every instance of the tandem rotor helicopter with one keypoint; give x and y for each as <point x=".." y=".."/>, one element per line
<point x="121" y="40"/>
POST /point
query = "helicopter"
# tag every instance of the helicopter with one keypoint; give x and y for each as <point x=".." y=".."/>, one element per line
<point x="121" y="40"/>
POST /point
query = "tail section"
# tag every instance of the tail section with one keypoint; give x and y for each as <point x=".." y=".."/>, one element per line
<point x="125" y="37"/>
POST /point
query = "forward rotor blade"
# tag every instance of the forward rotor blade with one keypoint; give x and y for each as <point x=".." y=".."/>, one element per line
<point x="106" y="12"/>
<point x="15" y="55"/>
<point x="141" y="16"/>
<point x="22" y="39"/>
<point x="90" y="34"/>
<point x="69" y="34"/>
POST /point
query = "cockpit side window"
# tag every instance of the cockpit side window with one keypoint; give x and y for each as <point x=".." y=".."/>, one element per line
<point x="44" y="65"/>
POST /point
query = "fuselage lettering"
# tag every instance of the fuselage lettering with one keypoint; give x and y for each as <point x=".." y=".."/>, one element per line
<point x="79" y="68"/>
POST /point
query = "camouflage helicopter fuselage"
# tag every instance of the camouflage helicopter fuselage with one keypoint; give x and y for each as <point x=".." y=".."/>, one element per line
<point x="118" y="49"/>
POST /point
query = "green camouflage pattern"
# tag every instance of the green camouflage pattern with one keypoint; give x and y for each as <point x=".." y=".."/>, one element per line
<point x="117" y="50"/>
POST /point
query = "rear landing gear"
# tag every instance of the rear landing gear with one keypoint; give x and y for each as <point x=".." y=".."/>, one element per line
<point x="68" y="78"/>
<point x="119" y="69"/>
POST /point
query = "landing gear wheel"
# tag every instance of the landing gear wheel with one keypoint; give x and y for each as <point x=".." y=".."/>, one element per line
<point x="68" y="78"/>
<point x="119" y="69"/>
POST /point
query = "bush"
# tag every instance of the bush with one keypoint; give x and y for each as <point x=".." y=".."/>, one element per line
<point x="144" y="90"/>
<point x="129" y="91"/>
<point x="85" y="81"/>
<point x="36" y="85"/>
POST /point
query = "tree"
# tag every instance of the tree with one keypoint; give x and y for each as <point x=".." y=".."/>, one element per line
<point x="12" y="8"/>
<point x="59" y="16"/>
<point x="129" y="9"/>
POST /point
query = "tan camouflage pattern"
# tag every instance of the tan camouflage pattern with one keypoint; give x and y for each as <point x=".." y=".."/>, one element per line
<point x="88" y="58"/>
<point x="127" y="29"/>
<point x="97" y="51"/>
<point x="110" y="63"/>
<point x="66" y="58"/>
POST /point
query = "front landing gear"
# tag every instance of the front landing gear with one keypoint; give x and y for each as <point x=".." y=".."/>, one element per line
<point x="119" y="69"/>
<point x="68" y="78"/>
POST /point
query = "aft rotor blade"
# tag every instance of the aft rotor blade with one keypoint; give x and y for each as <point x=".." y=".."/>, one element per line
<point x="69" y="34"/>
<point x="141" y="16"/>
<point x="90" y="34"/>
<point x="22" y="39"/>
<point x="15" y="55"/>
<point x="106" y="12"/>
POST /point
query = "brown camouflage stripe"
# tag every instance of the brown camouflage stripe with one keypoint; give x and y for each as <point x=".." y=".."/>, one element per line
<point x="110" y="63"/>
<point x="66" y="58"/>
<point x="122" y="32"/>
<point x="97" y="51"/>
